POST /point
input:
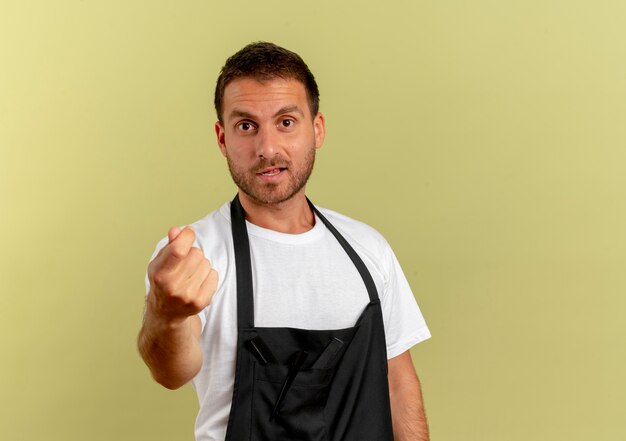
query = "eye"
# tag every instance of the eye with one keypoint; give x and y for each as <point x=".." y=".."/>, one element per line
<point x="287" y="123"/>
<point x="245" y="126"/>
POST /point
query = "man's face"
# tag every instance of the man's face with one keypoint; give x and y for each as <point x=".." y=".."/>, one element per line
<point x="269" y="137"/>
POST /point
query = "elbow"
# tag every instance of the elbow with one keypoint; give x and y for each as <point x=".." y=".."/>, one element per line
<point x="170" y="384"/>
<point x="169" y="381"/>
<point x="174" y="377"/>
<point x="170" y="370"/>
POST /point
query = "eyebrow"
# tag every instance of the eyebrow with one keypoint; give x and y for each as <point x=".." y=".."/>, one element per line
<point x="289" y="109"/>
<point x="236" y="113"/>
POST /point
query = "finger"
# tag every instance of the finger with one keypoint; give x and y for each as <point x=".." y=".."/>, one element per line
<point x="188" y="289"/>
<point x="180" y="246"/>
<point x="188" y="267"/>
<point x="208" y="287"/>
<point x="172" y="233"/>
<point x="200" y="274"/>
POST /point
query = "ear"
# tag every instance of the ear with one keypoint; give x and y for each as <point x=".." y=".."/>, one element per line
<point x="319" y="128"/>
<point x="220" y="133"/>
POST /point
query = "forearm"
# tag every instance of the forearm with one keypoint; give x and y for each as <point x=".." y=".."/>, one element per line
<point x="408" y="415"/>
<point x="407" y="406"/>
<point x="171" y="350"/>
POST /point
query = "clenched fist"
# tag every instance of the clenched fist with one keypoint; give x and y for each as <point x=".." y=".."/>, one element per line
<point x="182" y="280"/>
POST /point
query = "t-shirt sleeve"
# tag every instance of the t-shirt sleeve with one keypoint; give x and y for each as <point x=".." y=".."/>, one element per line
<point x="404" y="324"/>
<point x="158" y="248"/>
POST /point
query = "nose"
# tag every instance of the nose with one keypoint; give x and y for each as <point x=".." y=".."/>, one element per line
<point x="267" y="142"/>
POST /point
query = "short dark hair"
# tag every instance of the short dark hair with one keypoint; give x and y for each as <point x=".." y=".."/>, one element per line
<point x="265" y="61"/>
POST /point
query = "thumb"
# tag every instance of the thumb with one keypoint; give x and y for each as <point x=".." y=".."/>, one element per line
<point x="172" y="234"/>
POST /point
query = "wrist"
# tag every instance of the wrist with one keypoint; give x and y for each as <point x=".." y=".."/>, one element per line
<point x="161" y="317"/>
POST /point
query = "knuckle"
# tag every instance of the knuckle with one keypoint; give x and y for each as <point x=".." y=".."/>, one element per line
<point x="196" y="253"/>
<point x="168" y="287"/>
<point x="190" y="301"/>
<point x="166" y="283"/>
<point x="206" y="265"/>
<point x="209" y="287"/>
<point x="177" y="252"/>
<point x="154" y="265"/>
<point x="160" y="278"/>
<point x="211" y="280"/>
<point x="214" y="275"/>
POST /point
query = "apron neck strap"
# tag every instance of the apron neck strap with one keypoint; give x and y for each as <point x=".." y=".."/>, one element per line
<point x="245" y="297"/>
<point x="356" y="260"/>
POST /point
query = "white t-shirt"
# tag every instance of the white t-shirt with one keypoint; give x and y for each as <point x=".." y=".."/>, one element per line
<point x="300" y="280"/>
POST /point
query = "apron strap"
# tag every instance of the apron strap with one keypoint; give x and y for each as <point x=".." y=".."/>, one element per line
<point x="245" y="297"/>
<point x="356" y="260"/>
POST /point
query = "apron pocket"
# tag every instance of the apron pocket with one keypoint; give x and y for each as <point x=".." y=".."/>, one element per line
<point x="301" y="415"/>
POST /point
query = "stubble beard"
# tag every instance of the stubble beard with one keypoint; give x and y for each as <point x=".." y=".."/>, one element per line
<point x="269" y="193"/>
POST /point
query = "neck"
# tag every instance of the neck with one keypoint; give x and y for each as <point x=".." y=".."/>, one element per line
<point x="293" y="216"/>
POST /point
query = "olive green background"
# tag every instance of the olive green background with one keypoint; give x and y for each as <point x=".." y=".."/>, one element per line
<point x="486" y="140"/>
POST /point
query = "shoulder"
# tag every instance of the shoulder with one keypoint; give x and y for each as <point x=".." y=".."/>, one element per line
<point x="359" y="232"/>
<point x="215" y="225"/>
<point x="213" y="231"/>
<point x="367" y="241"/>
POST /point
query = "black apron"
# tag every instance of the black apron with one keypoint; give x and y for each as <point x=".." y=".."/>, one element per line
<point x="307" y="385"/>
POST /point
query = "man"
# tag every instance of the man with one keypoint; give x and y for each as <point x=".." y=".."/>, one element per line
<point x="305" y="333"/>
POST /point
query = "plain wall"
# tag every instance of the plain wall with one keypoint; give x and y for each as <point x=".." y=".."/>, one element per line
<point x="486" y="140"/>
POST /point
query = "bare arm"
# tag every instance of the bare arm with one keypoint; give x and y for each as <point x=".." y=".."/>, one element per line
<point x="182" y="283"/>
<point x="170" y="350"/>
<point x="407" y="407"/>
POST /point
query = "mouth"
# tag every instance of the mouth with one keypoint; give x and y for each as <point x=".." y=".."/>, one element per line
<point x="269" y="172"/>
